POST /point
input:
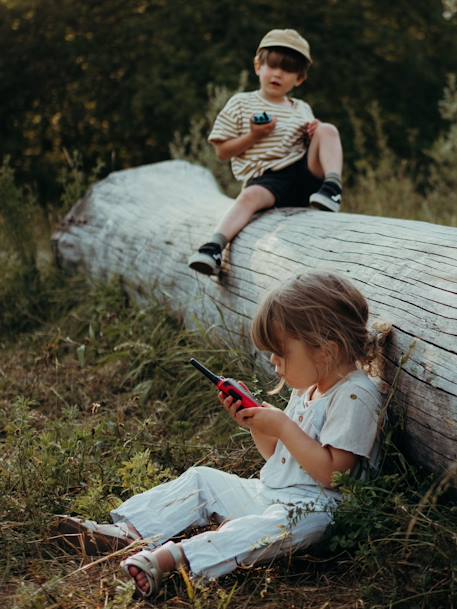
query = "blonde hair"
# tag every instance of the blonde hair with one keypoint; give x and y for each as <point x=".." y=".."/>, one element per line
<point x="319" y="308"/>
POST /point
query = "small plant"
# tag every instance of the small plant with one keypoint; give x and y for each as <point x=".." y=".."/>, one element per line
<point x="74" y="180"/>
<point x="139" y="474"/>
<point x="95" y="503"/>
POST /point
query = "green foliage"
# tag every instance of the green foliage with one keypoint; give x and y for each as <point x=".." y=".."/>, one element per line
<point x="139" y="474"/>
<point x="32" y="289"/>
<point x="202" y="595"/>
<point x="383" y="184"/>
<point x="17" y="213"/>
<point x="74" y="180"/>
<point x="116" y="80"/>
<point x="398" y="526"/>
<point x="443" y="177"/>
<point x="20" y="289"/>
<point x="95" y="503"/>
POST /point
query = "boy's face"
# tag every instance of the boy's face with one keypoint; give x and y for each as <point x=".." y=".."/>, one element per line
<point x="276" y="83"/>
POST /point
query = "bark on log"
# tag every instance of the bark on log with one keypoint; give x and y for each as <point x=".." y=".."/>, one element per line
<point x="143" y="223"/>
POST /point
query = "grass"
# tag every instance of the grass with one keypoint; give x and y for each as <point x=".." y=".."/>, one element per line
<point x="102" y="403"/>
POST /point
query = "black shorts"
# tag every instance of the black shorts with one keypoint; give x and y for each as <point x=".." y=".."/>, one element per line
<point x="291" y="186"/>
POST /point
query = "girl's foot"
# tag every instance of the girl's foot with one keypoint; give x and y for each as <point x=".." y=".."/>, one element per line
<point x="141" y="581"/>
<point x="146" y="571"/>
<point x="92" y="538"/>
<point x="148" y="567"/>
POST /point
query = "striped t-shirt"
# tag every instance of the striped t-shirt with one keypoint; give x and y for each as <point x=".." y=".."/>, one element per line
<point x="285" y="145"/>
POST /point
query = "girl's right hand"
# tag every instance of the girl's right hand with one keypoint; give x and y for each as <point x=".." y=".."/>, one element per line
<point x="231" y="407"/>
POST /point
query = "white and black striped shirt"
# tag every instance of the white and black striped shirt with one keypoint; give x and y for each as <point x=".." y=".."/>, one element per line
<point x="285" y="145"/>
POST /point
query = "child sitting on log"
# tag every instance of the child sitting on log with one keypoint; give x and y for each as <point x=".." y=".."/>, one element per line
<point x="315" y="327"/>
<point x="281" y="153"/>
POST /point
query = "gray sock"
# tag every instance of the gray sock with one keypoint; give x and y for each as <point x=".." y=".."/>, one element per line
<point x="220" y="239"/>
<point x="333" y="177"/>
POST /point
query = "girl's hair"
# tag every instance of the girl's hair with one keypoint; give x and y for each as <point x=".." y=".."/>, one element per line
<point x="317" y="308"/>
<point x="284" y="58"/>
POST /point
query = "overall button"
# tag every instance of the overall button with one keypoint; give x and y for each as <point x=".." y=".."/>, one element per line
<point x="283" y="459"/>
<point x="300" y="418"/>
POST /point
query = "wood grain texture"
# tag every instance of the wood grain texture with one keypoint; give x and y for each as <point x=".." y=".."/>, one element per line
<point x="142" y="224"/>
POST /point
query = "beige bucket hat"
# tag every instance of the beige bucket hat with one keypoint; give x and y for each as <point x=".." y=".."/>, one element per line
<point x="290" y="39"/>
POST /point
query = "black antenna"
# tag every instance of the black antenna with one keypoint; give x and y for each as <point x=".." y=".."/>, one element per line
<point x="212" y="377"/>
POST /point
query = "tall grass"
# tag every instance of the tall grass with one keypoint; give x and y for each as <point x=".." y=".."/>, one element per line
<point x="30" y="283"/>
<point x="22" y="297"/>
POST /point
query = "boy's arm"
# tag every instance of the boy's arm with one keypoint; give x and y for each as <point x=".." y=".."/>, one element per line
<point x="227" y="149"/>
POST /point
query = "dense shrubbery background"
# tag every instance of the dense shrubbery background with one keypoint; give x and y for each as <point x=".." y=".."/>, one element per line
<point x="115" y="80"/>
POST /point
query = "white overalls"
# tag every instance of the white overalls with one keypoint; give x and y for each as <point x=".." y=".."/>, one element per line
<point x="261" y="518"/>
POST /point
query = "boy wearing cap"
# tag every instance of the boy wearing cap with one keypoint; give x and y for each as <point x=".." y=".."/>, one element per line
<point x="293" y="160"/>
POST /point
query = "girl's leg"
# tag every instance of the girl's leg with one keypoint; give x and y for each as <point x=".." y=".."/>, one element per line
<point x="174" y="506"/>
<point x="255" y="538"/>
<point x="190" y="500"/>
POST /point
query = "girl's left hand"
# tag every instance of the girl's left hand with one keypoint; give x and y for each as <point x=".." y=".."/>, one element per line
<point x="267" y="419"/>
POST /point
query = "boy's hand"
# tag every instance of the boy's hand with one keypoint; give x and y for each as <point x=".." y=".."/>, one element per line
<point x="266" y="420"/>
<point x="310" y="128"/>
<point x="261" y="131"/>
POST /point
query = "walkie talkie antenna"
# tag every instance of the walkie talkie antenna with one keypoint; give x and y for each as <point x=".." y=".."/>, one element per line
<point x="212" y="377"/>
<point x="229" y="387"/>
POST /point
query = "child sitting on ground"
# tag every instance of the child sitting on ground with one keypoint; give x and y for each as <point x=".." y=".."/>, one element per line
<point x="273" y="160"/>
<point x="315" y="327"/>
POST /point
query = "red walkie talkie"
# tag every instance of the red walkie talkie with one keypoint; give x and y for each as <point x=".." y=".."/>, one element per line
<point x="228" y="386"/>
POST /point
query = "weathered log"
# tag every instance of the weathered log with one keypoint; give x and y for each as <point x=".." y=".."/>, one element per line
<point x="143" y="223"/>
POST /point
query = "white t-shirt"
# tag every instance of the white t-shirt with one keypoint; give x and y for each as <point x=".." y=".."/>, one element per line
<point x="285" y="144"/>
<point x="345" y="417"/>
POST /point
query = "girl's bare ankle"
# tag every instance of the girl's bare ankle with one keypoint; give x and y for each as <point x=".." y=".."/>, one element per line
<point x="171" y="557"/>
<point x="165" y="559"/>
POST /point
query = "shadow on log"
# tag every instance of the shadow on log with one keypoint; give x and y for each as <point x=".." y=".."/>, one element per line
<point x="142" y="224"/>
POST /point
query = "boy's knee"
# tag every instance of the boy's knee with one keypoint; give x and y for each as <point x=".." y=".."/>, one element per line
<point x="256" y="197"/>
<point x="328" y="130"/>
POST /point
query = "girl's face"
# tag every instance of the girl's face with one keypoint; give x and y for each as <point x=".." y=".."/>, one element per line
<point x="300" y="365"/>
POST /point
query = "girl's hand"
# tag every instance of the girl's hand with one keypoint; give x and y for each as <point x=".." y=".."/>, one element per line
<point x="231" y="406"/>
<point x="261" y="131"/>
<point x="311" y="128"/>
<point x="266" y="419"/>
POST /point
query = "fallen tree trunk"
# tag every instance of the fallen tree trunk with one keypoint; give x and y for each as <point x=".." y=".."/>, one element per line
<point x="142" y="224"/>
